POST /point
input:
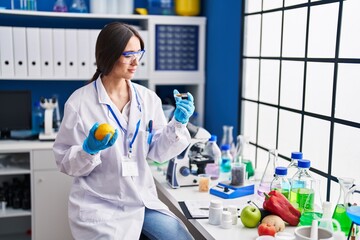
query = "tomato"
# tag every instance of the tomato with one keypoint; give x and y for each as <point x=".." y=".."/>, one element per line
<point x="266" y="229"/>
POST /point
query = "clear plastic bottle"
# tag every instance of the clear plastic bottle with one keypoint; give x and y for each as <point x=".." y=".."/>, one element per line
<point x="60" y="6"/>
<point x="302" y="193"/>
<point x="281" y="182"/>
<point x="213" y="151"/>
<point x="38" y="118"/>
<point x="269" y="173"/>
<point x="226" y="159"/>
<point x="293" y="165"/>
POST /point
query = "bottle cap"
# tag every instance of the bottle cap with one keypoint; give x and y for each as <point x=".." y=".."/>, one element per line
<point x="226" y="216"/>
<point x="216" y="204"/>
<point x="296" y="155"/>
<point x="213" y="138"/>
<point x="225" y="147"/>
<point x="303" y="163"/>
<point x="232" y="209"/>
<point x="281" y="171"/>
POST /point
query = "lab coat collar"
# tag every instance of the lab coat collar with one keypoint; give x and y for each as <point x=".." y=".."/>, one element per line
<point x="135" y="106"/>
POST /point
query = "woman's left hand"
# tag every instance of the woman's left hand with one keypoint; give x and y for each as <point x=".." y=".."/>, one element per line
<point x="184" y="107"/>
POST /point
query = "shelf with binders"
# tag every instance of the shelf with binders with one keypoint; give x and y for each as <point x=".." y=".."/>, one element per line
<point x="61" y="46"/>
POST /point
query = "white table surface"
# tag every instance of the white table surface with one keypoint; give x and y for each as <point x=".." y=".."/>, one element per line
<point x="202" y="225"/>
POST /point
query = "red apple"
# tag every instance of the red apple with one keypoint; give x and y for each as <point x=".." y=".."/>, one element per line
<point x="266" y="229"/>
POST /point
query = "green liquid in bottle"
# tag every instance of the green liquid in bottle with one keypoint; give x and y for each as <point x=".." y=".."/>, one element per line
<point x="302" y="198"/>
<point x="343" y="219"/>
<point x="284" y="192"/>
<point x="307" y="218"/>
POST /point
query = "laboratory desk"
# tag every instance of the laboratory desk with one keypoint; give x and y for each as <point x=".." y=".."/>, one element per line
<point x="200" y="228"/>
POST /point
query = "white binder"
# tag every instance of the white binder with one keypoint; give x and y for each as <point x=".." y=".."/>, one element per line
<point x="71" y="53"/>
<point x="20" y="56"/>
<point x="94" y="33"/>
<point x="59" y="52"/>
<point x="83" y="37"/>
<point x="46" y="52"/>
<point x="6" y="52"/>
<point x="33" y="48"/>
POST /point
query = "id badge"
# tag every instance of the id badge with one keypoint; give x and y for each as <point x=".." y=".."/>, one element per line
<point x="129" y="168"/>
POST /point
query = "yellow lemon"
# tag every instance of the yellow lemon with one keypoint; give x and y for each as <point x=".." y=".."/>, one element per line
<point x="103" y="130"/>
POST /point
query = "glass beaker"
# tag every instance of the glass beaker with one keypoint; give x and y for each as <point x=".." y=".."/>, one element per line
<point x="269" y="173"/>
<point x="242" y="144"/>
<point x="346" y="189"/>
<point x="227" y="138"/>
<point x="312" y="205"/>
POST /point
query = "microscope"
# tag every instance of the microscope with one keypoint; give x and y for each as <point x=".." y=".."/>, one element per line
<point x="49" y="104"/>
<point x="183" y="170"/>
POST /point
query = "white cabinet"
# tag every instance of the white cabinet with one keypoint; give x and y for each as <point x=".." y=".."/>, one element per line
<point x="33" y="165"/>
<point x="50" y="197"/>
<point x="174" y="58"/>
<point x="15" y="171"/>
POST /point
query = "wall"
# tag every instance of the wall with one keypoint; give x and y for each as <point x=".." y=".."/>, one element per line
<point x="222" y="65"/>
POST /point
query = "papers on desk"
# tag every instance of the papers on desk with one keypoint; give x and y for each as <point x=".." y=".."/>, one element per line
<point x="194" y="209"/>
<point x="197" y="209"/>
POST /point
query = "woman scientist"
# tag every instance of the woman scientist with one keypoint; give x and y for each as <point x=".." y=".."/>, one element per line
<point x="113" y="194"/>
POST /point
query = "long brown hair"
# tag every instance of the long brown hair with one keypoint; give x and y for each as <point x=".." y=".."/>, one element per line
<point x="110" y="44"/>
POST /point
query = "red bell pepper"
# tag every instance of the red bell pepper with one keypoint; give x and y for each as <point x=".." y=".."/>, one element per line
<point x="276" y="203"/>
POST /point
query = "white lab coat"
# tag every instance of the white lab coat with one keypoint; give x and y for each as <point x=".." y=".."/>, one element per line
<point x="103" y="204"/>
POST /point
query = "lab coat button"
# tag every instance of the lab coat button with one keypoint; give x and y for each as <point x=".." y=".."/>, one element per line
<point x="130" y="135"/>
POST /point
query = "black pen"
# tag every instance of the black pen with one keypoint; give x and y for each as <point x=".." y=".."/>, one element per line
<point x="225" y="208"/>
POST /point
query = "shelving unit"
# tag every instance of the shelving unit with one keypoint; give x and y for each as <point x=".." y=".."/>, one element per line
<point x="47" y="218"/>
<point x="175" y="47"/>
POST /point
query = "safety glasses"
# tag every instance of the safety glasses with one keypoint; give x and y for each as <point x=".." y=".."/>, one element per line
<point x="129" y="57"/>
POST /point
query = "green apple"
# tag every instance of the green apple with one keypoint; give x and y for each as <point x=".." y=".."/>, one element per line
<point x="250" y="216"/>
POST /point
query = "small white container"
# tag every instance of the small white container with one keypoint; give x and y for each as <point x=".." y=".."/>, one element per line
<point x="215" y="211"/>
<point x="226" y="219"/>
<point x="234" y="214"/>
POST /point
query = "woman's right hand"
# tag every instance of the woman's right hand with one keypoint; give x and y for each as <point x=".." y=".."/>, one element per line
<point x="92" y="146"/>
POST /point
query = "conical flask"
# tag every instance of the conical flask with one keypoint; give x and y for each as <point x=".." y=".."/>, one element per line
<point x="227" y="138"/>
<point x="269" y="173"/>
<point x="346" y="190"/>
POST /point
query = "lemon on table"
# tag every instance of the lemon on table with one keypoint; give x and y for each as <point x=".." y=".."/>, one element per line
<point x="103" y="130"/>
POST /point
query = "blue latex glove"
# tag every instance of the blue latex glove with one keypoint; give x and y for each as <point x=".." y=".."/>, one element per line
<point x="184" y="107"/>
<point x="92" y="146"/>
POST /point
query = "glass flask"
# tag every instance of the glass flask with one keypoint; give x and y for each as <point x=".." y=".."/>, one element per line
<point x="227" y="138"/>
<point x="269" y="173"/>
<point x="302" y="188"/>
<point x="60" y="6"/>
<point x="346" y="190"/>
<point x="280" y="181"/>
<point x="78" y="6"/>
